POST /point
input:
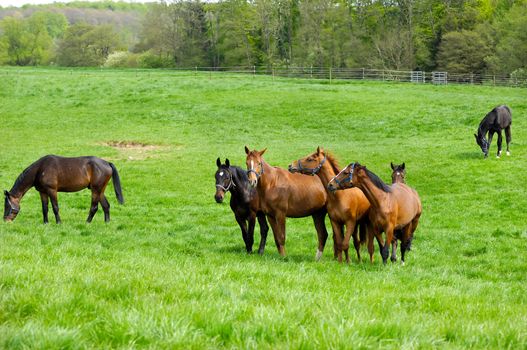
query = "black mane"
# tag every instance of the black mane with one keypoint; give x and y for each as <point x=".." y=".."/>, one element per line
<point x="377" y="181"/>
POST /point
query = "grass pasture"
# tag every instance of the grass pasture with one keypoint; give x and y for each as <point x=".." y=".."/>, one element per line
<point x="170" y="270"/>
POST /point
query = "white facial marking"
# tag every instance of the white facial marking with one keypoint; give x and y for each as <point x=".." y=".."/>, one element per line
<point x="221" y="173"/>
<point x="398" y="174"/>
<point x="252" y="165"/>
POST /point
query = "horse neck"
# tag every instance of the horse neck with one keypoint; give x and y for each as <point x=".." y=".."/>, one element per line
<point x="268" y="175"/>
<point x="483" y="127"/>
<point x="374" y="194"/>
<point x="24" y="181"/>
<point x="326" y="173"/>
<point x="241" y="186"/>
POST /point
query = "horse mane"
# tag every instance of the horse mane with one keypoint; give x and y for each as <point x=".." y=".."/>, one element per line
<point x="330" y="158"/>
<point x="19" y="182"/>
<point x="239" y="173"/>
<point x="377" y="181"/>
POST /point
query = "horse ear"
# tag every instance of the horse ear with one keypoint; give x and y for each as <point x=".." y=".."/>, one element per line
<point x="6" y="193"/>
<point x="246" y="150"/>
<point x="218" y="162"/>
<point x="391" y="165"/>
<point x="227" y="162"/>
<point x="318" y="150"/>
<point x="402" y="166"/>
<point x="263" y="151"/>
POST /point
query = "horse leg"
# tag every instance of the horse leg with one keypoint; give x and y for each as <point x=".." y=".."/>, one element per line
<point x="243" y="226"/>
<point x="351" y="229"/>
<point x="55" y="205"/>
<point x="393" y="258"/>
<point x="405" y="240"/>
<point x="276" y="233"/>
<point x="280" y="225"/>
<point x="337" y="241"/>
<point x="491" y="135"/>
<point x="44" y="198"/>
<point x="264" y="228"/>
<point x="499" y="143"/>
<point x="250" y="231"/>
<point x="388" y="241"/>
<point x="508" y="138"/>
<point x="322" y="232"/>
<point x="94" y="206"/>
<point x="105" y="207"/>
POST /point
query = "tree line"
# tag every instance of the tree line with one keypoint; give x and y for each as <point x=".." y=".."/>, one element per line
<point x="468" y="36"/>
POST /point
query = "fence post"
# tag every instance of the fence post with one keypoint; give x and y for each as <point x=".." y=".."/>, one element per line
<point x="196" y="70"/>
<point x="362" y="73"/>
<point x="254" y="70"/>
<point x="330" y="75"/>
<point x="311" y="72"/>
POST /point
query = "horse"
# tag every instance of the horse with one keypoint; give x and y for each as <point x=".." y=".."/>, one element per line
<point x="244" y="202"/>
<point x="398" y="176"/>
<point x="398" y="173"/>
<point x="284" y="195"/>
<point x="496" y="120"/>
<point x="392" y="207"/>
<point x="51" y="174"/>
<point x="345" y="208"/>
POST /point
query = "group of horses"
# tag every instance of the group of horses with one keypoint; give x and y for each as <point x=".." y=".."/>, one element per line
<point x="358" y="203"/>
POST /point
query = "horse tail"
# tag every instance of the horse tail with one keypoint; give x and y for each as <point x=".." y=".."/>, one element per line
<point x="117" y="184"/>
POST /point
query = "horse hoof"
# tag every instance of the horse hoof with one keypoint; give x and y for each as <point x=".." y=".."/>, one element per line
<point x="508" y="153"/>
<point x="402" y="263"/>
<point x="318" y="256"/>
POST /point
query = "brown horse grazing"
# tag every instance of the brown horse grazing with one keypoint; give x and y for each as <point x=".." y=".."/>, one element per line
<point x="283" y="194"/>
<point x="392" y="207"/>
<point x="52" y="174"/>
<point x="345" y="208"/>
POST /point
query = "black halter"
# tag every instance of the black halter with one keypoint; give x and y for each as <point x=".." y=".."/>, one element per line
<point x="311" y="171"/>
<point x="12" y="208"/>
<point x="347" y="179"/>
<point x="230" y="184"/>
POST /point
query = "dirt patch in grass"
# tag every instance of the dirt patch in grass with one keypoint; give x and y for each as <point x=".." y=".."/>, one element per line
<point x="133" y="150"/>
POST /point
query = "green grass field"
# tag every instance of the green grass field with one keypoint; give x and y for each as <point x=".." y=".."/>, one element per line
<point x="170" y="270"/>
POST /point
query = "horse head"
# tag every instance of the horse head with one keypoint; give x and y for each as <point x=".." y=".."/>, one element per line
<point x="398" y="173"/>
<point x="254" y="162"/>
<point x="347" y="178"/>
<point x="483" y="143"/>
<point x="11" y="207"/>
<point x="224" y="180"/>
<point x="309" y="165"/>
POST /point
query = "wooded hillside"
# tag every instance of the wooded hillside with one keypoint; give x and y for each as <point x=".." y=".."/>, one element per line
<point x="477" y="36"/>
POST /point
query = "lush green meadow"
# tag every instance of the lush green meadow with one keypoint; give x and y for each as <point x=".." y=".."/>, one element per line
<point x="170" y="271"/>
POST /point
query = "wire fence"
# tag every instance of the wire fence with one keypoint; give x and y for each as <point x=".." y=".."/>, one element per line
<point x="319" y="73"/>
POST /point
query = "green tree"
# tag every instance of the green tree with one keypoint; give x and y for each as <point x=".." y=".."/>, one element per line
<point x="463" y="52"/>
<point x="87" y="45"/>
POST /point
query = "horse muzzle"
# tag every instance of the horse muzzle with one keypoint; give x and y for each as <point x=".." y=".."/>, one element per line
<point x="292" y="169"/>
<point x="219" y="196"/>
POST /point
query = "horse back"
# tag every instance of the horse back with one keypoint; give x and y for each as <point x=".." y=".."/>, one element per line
<point x="71" y="174"/>
<point x="298" y="194"/>
<point x="408" y="203"/>
<point x="499" y="118"/>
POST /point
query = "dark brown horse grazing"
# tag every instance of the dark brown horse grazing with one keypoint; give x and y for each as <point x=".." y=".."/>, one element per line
<point x="244" y="202"/>
<point x="496" y="120"/>
<point x="345" y="208"/>
<point x="283" y="194"/>
<point x="392" y="207"/>
<point x="52" y="174"/>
